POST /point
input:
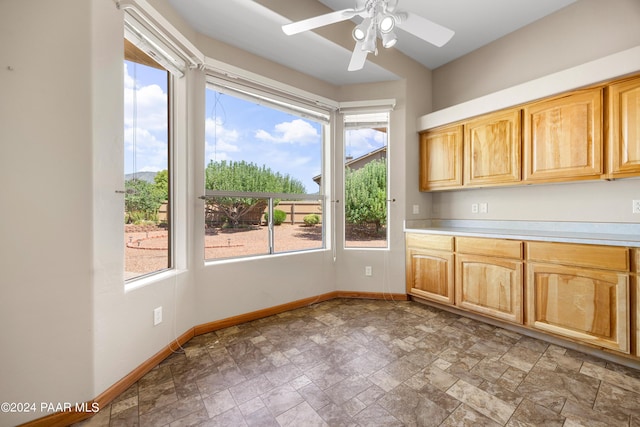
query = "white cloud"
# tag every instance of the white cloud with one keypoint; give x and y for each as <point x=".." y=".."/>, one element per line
<point x="151" y="105"/>
<point x="297" y="131"/>
<point x="362" y="141"/>
<point x="150" y="152"/>
<point x="219" y="141"/>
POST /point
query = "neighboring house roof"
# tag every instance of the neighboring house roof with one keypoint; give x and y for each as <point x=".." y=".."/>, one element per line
<point x="359" y="162"/>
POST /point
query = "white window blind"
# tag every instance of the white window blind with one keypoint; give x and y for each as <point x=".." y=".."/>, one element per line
<point x="154" y="35"/>
<point x="270" y="97"/>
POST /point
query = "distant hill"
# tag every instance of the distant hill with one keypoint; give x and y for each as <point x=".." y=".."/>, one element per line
<point x="144" y="176"/>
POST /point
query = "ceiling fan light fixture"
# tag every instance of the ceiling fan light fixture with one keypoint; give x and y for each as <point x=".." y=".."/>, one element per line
<point x="387" y="24"/>
<point x="389" y="39"/>
<point x="369" y="43"/>
<point x="360" y="32"/>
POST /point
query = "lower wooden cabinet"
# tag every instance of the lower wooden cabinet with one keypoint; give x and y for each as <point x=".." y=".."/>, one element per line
<point x="580" y="292"/>
<point x="585" y="305"/>
<point x="589" y="294"/>
<point x="635" y="299"/>
<point x="490" y="284"/>
<point x="430" y="267"/>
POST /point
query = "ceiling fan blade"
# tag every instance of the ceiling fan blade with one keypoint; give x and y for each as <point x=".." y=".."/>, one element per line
<point x="358" y="58"/>
<point x="427" y="30"/>
<point x="318" y="21"/>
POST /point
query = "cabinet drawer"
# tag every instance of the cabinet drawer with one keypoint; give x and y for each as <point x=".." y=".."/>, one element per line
<point x="489" y="247"/>
<point x="593" y="256"/>
<point x="428" y="241"/>
<point x="635" y="261"/>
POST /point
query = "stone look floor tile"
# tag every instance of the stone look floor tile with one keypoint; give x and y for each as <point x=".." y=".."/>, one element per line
<point x="281" y="399"/>
<point x="301" y="415"/>
<point x="611" y="377"/>
<point x="375" y="363"/>
<point x="481" y="401"/>
<point x="466" y="416"/>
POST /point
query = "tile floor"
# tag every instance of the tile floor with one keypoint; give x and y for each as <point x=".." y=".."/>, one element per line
<point x="376" y="363"/>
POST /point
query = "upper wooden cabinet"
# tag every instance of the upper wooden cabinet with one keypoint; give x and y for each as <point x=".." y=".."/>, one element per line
<point x="492" y="147"/>
<point x="623" y="138"/>
<point x="563" y="138"/>
<point x="441" y="158"/>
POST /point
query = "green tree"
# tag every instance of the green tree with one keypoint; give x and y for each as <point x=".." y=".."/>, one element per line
<point x="366" y="194"/>
<point x="142" y="201"/>
<point x="248" y="177"/>
<point x="161" y="184"/>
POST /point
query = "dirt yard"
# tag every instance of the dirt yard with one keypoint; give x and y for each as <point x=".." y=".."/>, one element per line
<point x="146" y="251"/>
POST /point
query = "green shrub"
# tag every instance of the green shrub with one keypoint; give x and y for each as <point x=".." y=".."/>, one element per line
<point x="311" y="219"/>
<point x="278" y="217"/>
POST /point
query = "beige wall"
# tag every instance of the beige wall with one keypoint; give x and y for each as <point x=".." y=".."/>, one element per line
<point x="581" y="32"/>
<point x="46" y="227"/>
<point x="69" y="328"/>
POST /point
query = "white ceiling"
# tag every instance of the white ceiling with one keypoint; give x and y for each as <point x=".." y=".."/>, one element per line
<point x="253" y="27"/>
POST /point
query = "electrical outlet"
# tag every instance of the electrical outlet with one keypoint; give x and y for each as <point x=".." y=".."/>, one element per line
<point x="636" y="206"/>
<point x="416" y="209"/>
<point x="368" y="271"/>
<point x="484" y="207"/>
<point x="157" y="316"/>
<point x="474" y="208"/>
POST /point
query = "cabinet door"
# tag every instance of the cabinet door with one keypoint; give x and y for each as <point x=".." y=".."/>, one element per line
<point x="624" y="129"/>
<point x="492" y="149"/>
<point x="635" y="293"/>
<point x="441" y="158"/>
<point x="585" y="305"/>
<point x="635" y="314"/>
<point x="563" y="138"/>
<point x="430" y="274"/>
<point x="490" y="286"/>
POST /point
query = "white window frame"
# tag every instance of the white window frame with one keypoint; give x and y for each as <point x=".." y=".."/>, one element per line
<point x="354" y="109"/>
<point x="252" y="87"/>
<point x="153" y="34"/>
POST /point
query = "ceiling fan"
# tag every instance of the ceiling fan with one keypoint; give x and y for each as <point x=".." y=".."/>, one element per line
<point x="380" y="20"/>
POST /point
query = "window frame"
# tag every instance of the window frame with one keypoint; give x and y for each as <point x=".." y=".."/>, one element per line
<point x="293" y="102"/>
<point x="362" y="110"/>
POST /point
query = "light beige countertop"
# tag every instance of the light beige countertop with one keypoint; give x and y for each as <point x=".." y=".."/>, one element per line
<point x="591" y="233"/>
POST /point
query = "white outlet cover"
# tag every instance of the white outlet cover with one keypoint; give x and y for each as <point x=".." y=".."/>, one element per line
<point x="157" y="316"/>
<point x="484" y="207"/>
<point x="474" y="208"/>
<point x="635" y="206"/>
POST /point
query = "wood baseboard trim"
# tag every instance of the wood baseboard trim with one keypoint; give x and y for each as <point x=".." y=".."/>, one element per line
<point x="372" y="295"/>
<point x="259" y="314"/>
<point x="62" y="419"/>
<point x="115" y="390"/>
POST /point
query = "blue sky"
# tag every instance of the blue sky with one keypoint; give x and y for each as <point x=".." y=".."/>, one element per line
<point x="235" y="129"/>
<point x="149" y="86"/>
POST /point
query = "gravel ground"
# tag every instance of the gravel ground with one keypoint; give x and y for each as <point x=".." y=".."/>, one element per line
<point x="147" y="251"/>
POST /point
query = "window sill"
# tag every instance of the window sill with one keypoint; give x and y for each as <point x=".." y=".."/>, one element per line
<point x="150" y="279"/>
<point x="211" y="262"/>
